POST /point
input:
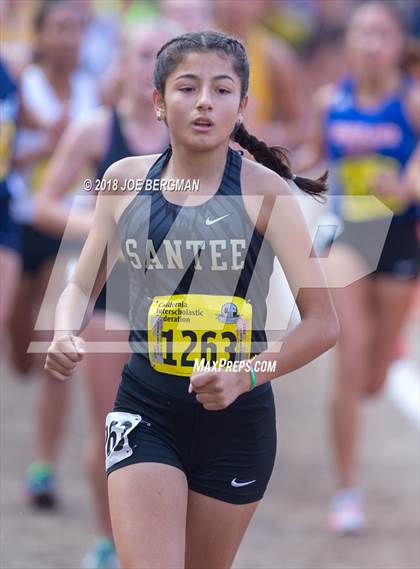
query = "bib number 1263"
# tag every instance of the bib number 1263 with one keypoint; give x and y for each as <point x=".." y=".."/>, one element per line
<point x="185" y="328"/>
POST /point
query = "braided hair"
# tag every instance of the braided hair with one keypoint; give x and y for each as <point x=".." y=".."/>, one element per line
<point x="275" y="158"/>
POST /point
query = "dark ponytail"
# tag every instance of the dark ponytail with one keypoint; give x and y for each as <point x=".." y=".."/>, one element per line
<point x="275" y="158"/>
<point x="171" y="55"/>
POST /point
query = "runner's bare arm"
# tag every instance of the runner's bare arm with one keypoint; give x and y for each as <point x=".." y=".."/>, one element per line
<point x="283" y="224"/>
<point x="79" y="147"/>
<point x="97" y="258"/>
<point x="29" y="119"/>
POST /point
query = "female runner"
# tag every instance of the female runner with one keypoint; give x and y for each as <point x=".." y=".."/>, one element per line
<point x="13" y="113"/>
<point x="56" y="90"/>
<point x="368" y="124"/>
<point x="189" y="461"/>
<point x="9" y="234"/>
<point x="96" y="142"/>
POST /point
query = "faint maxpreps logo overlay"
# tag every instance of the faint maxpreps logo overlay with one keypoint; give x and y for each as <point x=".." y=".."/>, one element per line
<point x="215" y="240"/>
<point x="136" y="185"/>
<point x="204" y="366"/>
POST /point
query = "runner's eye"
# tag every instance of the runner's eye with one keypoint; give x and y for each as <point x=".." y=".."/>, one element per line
<point x="222" y="90"/>
<point x="186" y="89"/>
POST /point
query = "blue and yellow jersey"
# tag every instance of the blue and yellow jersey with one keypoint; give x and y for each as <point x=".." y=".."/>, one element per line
<point x="362" y="143"/>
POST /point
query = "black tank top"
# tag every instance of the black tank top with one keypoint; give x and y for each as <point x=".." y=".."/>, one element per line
<point x="209" y="249"/>
<point x="117" y="147"/>
<point x="115" y="291"/>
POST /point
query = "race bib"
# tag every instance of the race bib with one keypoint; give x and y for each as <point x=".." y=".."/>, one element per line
<point x="186" y="327"/>
<point x="117" y="428"/>
<point x="357" y="176"/>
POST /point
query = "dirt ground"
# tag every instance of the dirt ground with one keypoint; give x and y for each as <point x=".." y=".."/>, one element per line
<point x="288" y="530"/>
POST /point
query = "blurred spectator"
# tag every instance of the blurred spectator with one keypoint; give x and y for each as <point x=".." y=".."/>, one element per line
<point x="277" y="108"/>
<point x="322" y="51"/>
<point x="323" y="57"/>
<point x="106" y="136"/>
<point x="12" y="114"/>
<point x="368" y="125"/>
<point x="9" y="232"/>
<point x="55" y="89"/>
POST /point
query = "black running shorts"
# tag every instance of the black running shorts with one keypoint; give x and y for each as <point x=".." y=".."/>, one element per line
<point x="399" y="257"/>
<point x="227" y="454"/>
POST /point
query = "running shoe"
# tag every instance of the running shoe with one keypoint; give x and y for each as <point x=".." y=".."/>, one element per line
<point x="101" y="556"/>
<point x="346" y="513"/>
<point x="40" y="485"/>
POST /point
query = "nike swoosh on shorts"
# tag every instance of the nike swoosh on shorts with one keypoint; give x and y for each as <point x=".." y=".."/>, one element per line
<point x="238" y="484"/>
